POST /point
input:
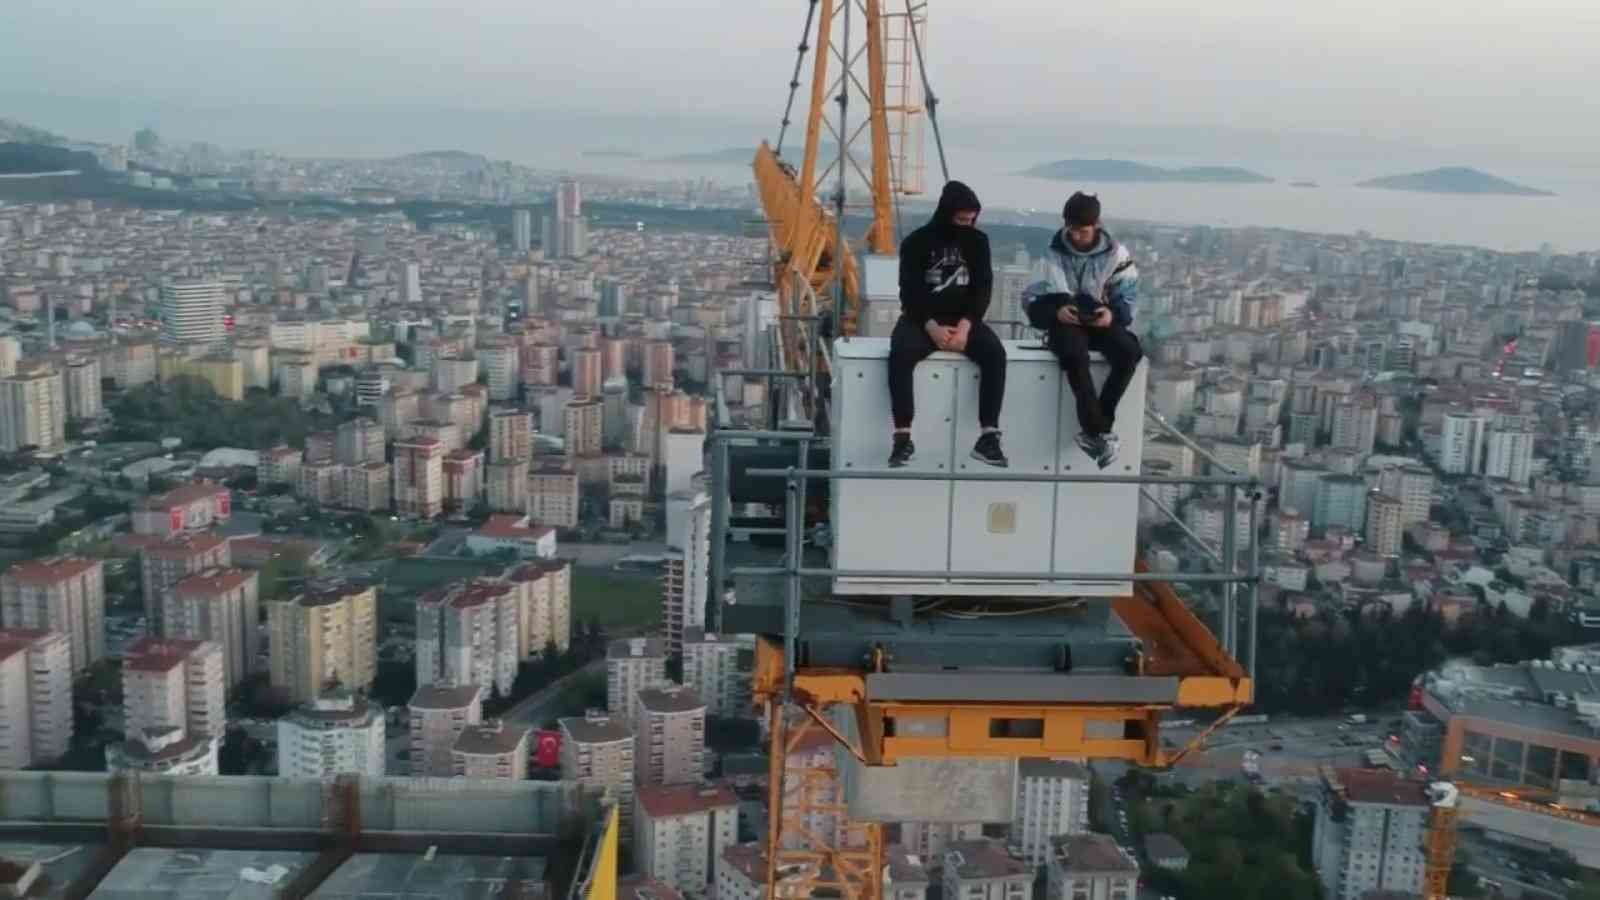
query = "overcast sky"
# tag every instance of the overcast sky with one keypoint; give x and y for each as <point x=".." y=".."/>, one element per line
<point x="1443" y="73"/>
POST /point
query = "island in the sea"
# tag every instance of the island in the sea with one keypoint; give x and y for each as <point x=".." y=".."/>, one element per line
<point x="1124" y="170"/>
<point x="610" y="154"/>
<point x="1454" y="180"/>
<point x="741" y="156"/>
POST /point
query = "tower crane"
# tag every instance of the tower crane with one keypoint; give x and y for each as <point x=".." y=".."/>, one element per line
<point x="966" y="669"/>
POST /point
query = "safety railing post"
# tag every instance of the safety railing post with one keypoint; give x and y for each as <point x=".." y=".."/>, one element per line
<point x="1230" y="557"/>
<point x="1255" y="579"/>
<point x="794" y="545"/>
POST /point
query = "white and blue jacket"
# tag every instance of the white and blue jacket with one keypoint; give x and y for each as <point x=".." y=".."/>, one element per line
<point x="1103" y="275"/>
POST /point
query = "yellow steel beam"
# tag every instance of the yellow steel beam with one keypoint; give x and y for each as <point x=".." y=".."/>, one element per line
<point x="880" y="238"/>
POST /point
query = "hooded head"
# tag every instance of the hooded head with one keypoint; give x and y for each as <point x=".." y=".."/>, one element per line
<point x="956" y="198"/>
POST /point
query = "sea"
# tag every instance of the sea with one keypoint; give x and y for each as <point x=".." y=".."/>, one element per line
<point x="990" y="158"/>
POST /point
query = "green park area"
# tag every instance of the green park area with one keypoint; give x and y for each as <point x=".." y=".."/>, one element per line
<point x="614" y="601"/>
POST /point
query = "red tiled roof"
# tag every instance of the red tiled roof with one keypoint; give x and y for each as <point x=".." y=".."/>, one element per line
<point x="183" y="496"/>
<point x="505" y="526"/>
<point x="685" y="799"/>
<point x="18" y="640"/>
<point x="214" y="582"/>
<point x="158" y="654"/>
<point x="186" y="547"/>
<point x="51" y="571"/>
<point x="1377" y="786"/>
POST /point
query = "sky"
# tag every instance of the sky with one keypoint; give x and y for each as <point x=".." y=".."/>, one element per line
<point x="1479" y="74"/>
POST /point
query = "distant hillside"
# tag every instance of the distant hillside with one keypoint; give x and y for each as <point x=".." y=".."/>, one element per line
<point x="1454" y="180"/>
<point x="13" y="131"/>
<point x="17" y="158"/>
<point x="1124" y="170"/>
<point x="454" y="158"/>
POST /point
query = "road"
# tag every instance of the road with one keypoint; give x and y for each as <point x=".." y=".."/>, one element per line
<point x="533" y="710"/>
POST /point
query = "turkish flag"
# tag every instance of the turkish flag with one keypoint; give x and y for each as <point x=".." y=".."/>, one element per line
<point x="224" y="504"/>
<point x="547" y="754"/>
<point x="176" y="515"/>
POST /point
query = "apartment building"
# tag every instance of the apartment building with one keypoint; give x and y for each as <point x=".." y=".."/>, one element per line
<point x="325" y="636"/>
<point x="597" y="752"/>
<point x="719" y="668"/>
<point x="173" y="708"/>
<point x="33" y="410"/>
<point x="492" y="750"/>
<point x="545" y="592"/>
<point x="439" y="715"/>
<point x="671" y="737"/>
<point x="187" y="509"/>
<point x="1091" y="867"/>
<point x="419" y="477"/>
<point x="633" y="665"/>
<point x="1369" y="834"/>
<point x="162" y="565"/>
<point x="222" y="606"/>
<point x="469" y="633"/>
<point x="986" y="870"/>
<point x="64" y="594"/>
<point x="338" y="733"/>
<point x="553" y="494"/>
<point x="1052" y="799"/>
<point x="36" y="721"/>
<point x="681" y="831"/>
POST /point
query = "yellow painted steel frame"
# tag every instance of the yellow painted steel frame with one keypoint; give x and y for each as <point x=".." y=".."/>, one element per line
<point x="1440" y="853"/>
<point x="813" y="843"/>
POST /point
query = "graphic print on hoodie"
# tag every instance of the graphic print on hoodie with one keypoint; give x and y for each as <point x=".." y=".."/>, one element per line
<point x="945" y="272"/>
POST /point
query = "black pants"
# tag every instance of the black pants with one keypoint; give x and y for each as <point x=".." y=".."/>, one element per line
<point x="910" y="344"/>
<point x="1071" y="344"/>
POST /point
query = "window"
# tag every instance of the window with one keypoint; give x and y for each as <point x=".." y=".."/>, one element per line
<point x="1540" y="767"/>
<point x="1574" y="767"/>
<point x="1507" y="760"/>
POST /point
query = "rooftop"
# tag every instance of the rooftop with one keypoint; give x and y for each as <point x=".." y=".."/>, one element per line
<point x="643" y="887"/>
<point x="685" y="799"/>
<point x="671" y="700"/>
<point x="596" y="730"/>
<point x="19" y="640"/>
<point x="148" y="873"/>
<point x="985" y="859"/>
<point x="1378" y="786"/>
<point x="636" y="648"/>
<point x="511" y="526"/>
<point x="371" y="875"/>
<point x="159" y="654"/>
<point x="905" y="868"/>
<point x="1052" y="768"/>
<point x="186" y="547"/>
<point x="213" y="582"/>
<point x="435" y="696"/>
<point x="182" y="496"/>
<point x="1093" y="853"/>
<point x="41" y="572"/>
<point x="490" y="739"/>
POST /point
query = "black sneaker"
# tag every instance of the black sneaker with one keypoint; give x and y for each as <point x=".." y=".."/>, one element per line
<point x="902" y="452"/>
<point x="1108" y="453"/>
<point x="987" y="450"/>
<point x="1091" y="445"/>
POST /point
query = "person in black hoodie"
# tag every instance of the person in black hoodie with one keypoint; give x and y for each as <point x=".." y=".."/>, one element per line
<point x="945" y="284"/>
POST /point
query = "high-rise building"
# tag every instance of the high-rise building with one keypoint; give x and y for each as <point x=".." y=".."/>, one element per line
<point x="671" y="742"/>
<point x="469" y="633"/>
<point x="553" y="494"/>
<point x="521" y="231"/>
<point x="452" y="373"/>
<point x="411" y="283"/>
<point x="719" y="668"/>
<point x="191" y="315"/>
<point x="419" y="477"/>
<point x="1461" y="443"/>
<point x="597" y="753"/>
<point x="463" y="480"/>
<point x="326" y="636"/>
<point x="1385" y="524"/>
<point x="633" y="665"/>
<point x="585" y="420"/>
<point x="222" y="606"/>
<point x="1341" y="503"/>
<point x="1091" y="866"/>
<point x="510" y="435"/>
<point x="492" y="750"/>
<point x="1510" y="455"/>
<point x="658" y="363"/>
<point x="1413" y="486"/>
<point x="173" y="708"/>
<point x="1370" y="834"/>
<point x="10" y="354"/>
<point x="541" y="365"/>
<point x="64" y="594"/>
<point x="501" y="362"/>
<point x="681" y="830"/>
<point x="187" y="509"/>
<point x="439" y="714"/>
<point x="1355" y="424"/>
<point x="1572" y="346"/>
<point x="614" y="413"/>
<point x="338" y="733"/>
<point x="545" y="591"/>
<point x="163" y="565"/>
<point x="133" y="363"/>
<point x="366" y="487"/>
<point x="684" y="579"/>
<point x="33" y="410"/>
<point x="506" y="486"/>
<point x="566" y="234"/>
<point x="35" y="697"/>
<point x="255" y="362"/>
<point x="82" y="379"/>
<point x="1052" y="800"/>
<point x="360" y="441"/>
<point x="587" y="373"/>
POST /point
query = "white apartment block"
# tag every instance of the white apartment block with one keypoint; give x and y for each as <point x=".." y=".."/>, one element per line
<point x="439" y="715"/>
<point x="1052" y="800"/>
<point x="33" y="411"/>
<point x="470" y="633"/>
<point x="720" y="668"/>
<point x="1369" y="834"/>
<point x="597" y="752"/>
<point x="985" y="870"/>
<point x="680" y="831"/>
<point x="173" y="707"/>
<point x="327" y="635"/>
<point x="338" y="733"/>
<point x="35" y="697"/>
<point x="685" y="582"/>
<point x="1091" y="867"/>
<point x="671" y="737"/>
<point x="633" y="665"/>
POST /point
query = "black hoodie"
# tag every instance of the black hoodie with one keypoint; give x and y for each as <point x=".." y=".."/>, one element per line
<point x="945" y="274"/>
